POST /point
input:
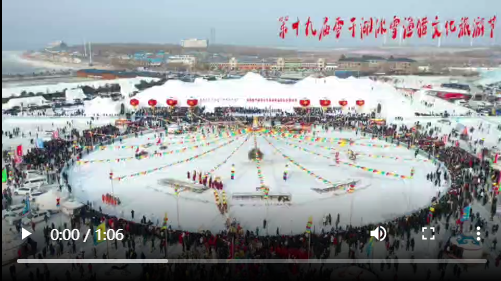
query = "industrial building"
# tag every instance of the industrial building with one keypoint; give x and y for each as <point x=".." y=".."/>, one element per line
<point x="195" y="43"/>
<point x="149" y="59"/>
<point x="187" y="60"/>
<point x="378" y="64"/>
<point x="254" y="63"/>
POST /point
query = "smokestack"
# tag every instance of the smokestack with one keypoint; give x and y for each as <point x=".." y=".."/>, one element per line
<point x="90" y="54"/>
<point x="85" y="49"/>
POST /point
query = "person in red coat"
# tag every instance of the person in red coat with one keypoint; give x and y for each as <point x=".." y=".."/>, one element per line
<point x="210" y="181"/>
<point x="194" y="175"/>
<point x="205" y="180"/>
<point x="188" y="173"/>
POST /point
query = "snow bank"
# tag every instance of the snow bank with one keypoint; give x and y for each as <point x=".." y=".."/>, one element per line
<point x="440" y="105"/>
<point x="101" y="106"/>
<point x="73" y="94"/>
<point x="244" y="92"/>
<point x="417" y="82"/>
<point x="126" y="84"/>
<point x="24" y="102"/>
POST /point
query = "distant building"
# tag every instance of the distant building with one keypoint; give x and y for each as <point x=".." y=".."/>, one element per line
<point x="402" y="65"/>
<point x="254" y="63"/>
<point x="148" y="59"/>
<point x="56" y="47"/>
<point x="186" y="60"/>
<point x="195" y="43"/>
<point x="371" y="64"/>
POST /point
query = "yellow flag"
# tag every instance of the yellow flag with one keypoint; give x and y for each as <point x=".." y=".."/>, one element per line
<point x="166" y="219"/>
<point x="100" y="234"/>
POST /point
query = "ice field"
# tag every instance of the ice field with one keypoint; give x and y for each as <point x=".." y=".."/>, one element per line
<point x="376" y="197"/>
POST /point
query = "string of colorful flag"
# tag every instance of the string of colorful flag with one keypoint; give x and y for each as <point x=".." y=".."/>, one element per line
<point x="154" y="155"/>
<point x="229" y="157"/>
<point x="375" y="171"/>
<point x="331" y="140"/>
<point x="143" y="173"/>
<point x="257" y="160"/>
<point x="392" y="157"/>
<point x="359" y="153"/>
<point x="323" y="180"/>
<point x="187" y="139"/>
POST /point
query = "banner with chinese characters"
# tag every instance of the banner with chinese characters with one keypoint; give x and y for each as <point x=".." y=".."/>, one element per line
<point x="397" y="28"/>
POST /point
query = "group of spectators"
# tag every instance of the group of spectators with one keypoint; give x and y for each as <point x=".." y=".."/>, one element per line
<point x="468" y="176"/>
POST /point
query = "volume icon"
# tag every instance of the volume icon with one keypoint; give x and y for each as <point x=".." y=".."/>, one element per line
<point x="478" y="234"/>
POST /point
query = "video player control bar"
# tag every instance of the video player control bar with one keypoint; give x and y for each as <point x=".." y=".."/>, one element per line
<point x="252" y="261"/>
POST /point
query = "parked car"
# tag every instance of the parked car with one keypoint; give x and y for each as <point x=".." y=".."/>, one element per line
<point x="13" y="210"/>
<point x="13" y="218"/>
<point x="24" y="190"/>
<point x="35" y="181"/>
<point x="35" y="217"/>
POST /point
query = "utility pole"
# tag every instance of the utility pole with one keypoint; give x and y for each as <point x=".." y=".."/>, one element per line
<point x="85" y="48"/>
<point x="90" y="54"/>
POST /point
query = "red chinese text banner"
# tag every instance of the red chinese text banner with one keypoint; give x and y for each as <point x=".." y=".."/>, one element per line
<point x="397" y="27"/>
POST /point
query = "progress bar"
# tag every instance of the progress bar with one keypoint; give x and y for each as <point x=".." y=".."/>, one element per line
<point x="251" y="261"/>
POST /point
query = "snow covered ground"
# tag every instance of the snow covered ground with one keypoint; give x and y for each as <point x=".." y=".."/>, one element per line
<point x="127" y="86"/>
<point x="379" y="198"/>
<point x="406" y="196"/>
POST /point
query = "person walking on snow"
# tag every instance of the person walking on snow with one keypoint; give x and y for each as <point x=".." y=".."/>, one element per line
<point x="286" y="172"/>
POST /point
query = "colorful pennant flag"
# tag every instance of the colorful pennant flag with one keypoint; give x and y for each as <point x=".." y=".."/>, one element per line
<point x="98" y="238"/>
<point x="144" y="173"/>
<point x="166" y="219"/>
<point x="309" y="224"/>
<point x="4" y="175"/>
<point x="374" y="171"/>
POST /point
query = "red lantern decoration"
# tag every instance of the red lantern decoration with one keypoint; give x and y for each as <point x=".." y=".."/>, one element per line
<point x="343" y="103"/>
<point x="152" y="103"/>
<point x="360" y="102"/>
<point x="134" y="103"/>
<point x="325" y="103"/>
<point x="192" y="102"/>
<point x="171" y="102"/>
<point x="305" y="102"/>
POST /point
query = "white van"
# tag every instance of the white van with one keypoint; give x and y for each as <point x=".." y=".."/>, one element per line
<point x="35" y="217"/>
<point x="23" y="191"/>
<point x="35" y="181"/>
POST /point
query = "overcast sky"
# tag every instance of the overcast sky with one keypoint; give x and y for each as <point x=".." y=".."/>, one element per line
<point x="30" y="24"/>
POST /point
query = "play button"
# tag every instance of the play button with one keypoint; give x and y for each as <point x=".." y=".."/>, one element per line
<point x="25" y="233"/>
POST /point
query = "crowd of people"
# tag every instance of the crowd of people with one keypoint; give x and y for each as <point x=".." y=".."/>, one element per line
<point x="468" y="176"/>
